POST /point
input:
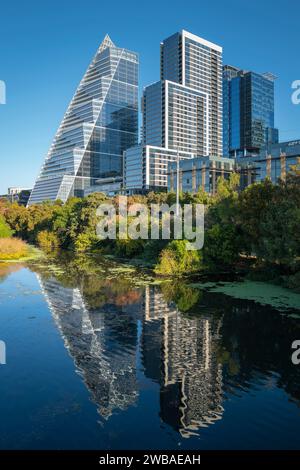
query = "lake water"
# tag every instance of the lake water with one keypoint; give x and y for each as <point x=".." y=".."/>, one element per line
<point x="101" y="356"/>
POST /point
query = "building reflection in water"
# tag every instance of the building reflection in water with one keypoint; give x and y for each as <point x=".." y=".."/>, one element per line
<point x="177" y="352"/>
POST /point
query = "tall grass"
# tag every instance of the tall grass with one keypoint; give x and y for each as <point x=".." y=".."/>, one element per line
<point x="13" y="249"/>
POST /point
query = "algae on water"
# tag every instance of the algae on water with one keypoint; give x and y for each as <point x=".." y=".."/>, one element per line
<point x="261" y="292"/>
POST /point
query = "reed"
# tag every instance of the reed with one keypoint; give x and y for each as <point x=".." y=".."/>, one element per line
<point x="13" y="249"/>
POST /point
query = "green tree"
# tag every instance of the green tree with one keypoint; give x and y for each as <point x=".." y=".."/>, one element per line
<point x="176" y="260"/>
<point x="221" y="247"/>
<point x="5" y="231"/>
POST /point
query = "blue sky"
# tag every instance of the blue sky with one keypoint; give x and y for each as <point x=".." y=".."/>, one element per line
<point x="45" y="47"/>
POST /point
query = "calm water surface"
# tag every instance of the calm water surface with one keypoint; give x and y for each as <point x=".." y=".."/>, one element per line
<point x="100" y="357"/>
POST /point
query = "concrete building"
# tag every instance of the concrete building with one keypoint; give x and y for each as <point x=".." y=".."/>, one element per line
<point x="146" y="168"/>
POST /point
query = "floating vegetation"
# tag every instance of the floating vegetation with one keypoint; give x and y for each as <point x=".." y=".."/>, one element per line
<point x="261" y="292"/>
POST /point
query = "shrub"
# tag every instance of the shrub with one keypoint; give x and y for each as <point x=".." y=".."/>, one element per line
<point x="13" y="249"/>
<point x="47" y="240"/>
<point x="293" y="281"/>
<point x="175" y="259"/>
<point x="221" y="247"/>
<point x="85" y="241"/>
<point x="129" y="248"/>
<point x="5" y="231"/>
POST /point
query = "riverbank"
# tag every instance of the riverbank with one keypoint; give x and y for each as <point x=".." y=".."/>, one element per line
<point x="253" y="233"/>
<point x="17" y="251"/>
<point x="95" y="270"/>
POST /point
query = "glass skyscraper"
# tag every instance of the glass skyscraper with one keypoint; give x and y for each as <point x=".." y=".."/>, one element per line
<point x="100" y="123"/>
<point x="248" y="112"/>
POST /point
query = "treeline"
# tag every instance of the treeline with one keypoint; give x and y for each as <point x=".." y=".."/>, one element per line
<point x="257" y="228"/>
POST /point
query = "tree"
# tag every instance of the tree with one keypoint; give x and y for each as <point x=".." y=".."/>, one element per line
<point x="252" y="205"/>
<point x="176" y="260"/>
<point x="221" y="247"/>
<point x="5" y="231"/>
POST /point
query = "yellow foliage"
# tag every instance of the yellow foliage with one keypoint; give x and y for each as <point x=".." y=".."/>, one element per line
<point x="13" y="249"/>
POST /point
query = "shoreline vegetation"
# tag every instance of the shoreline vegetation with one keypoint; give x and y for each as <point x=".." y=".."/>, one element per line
<point x="254" y="233"/>
<point x="12" y="249"/>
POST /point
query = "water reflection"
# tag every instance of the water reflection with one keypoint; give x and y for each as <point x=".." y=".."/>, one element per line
<point x="199" y="347"/>
<point x="102" y="345"/>
<point x="178" y="352"/>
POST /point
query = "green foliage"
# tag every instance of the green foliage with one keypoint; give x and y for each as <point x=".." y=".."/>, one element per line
<point x="176" y="260"/>
<point x="47" y="240"/>
<point x="269" y="218"/>
<point x="5" y="231"/>
<point x="228" y="187"/>
<point x="129" y="248"/>
<point x="183" y="296"/>
<point x="252" y="207"/>
<point x="85" y="242"/>
<point x="221" y="247"/>
<point x="262" y="221"/>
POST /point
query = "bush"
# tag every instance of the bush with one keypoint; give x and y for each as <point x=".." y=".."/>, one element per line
<point x="221" y="246"/>
<point x="176" y="260"/>
<point x="5" y="231"/>
<point x="84" y="242"/>
<point x="293" y="281"/>
<point x="47" y="240"/>
<point x="129" y="248"/>
<point x="12" y="249"/>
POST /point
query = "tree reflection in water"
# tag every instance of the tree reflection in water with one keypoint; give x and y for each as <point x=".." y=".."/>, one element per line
<point x="196" y="345"/>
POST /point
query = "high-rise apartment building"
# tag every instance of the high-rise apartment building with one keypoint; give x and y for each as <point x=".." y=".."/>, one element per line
<point x="101" y="122"/>
<point x="184" y="110"/>
<point x="248" y="111"/>
<point x="182" y="113"/>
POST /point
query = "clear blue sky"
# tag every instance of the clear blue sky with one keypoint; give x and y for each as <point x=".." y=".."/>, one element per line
<point x="46" y="47"/>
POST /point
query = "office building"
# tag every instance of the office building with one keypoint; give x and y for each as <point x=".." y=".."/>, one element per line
<point x="17" y="194"/>
<point x="200" y="173"/>
<point x="248" y="111"/>
<point x="273" y="162"/>
<point x="100" y="123"/>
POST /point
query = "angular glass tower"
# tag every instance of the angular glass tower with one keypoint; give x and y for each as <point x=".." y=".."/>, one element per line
<point x="100" y="123"/>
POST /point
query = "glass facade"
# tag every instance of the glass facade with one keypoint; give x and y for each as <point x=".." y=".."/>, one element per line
<point x="153" y="114"/>
<point x="248" y="119"/>
<point x="200" y="173"/>
<point x="171" y="58"/>
<point x="100" y="124"/>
